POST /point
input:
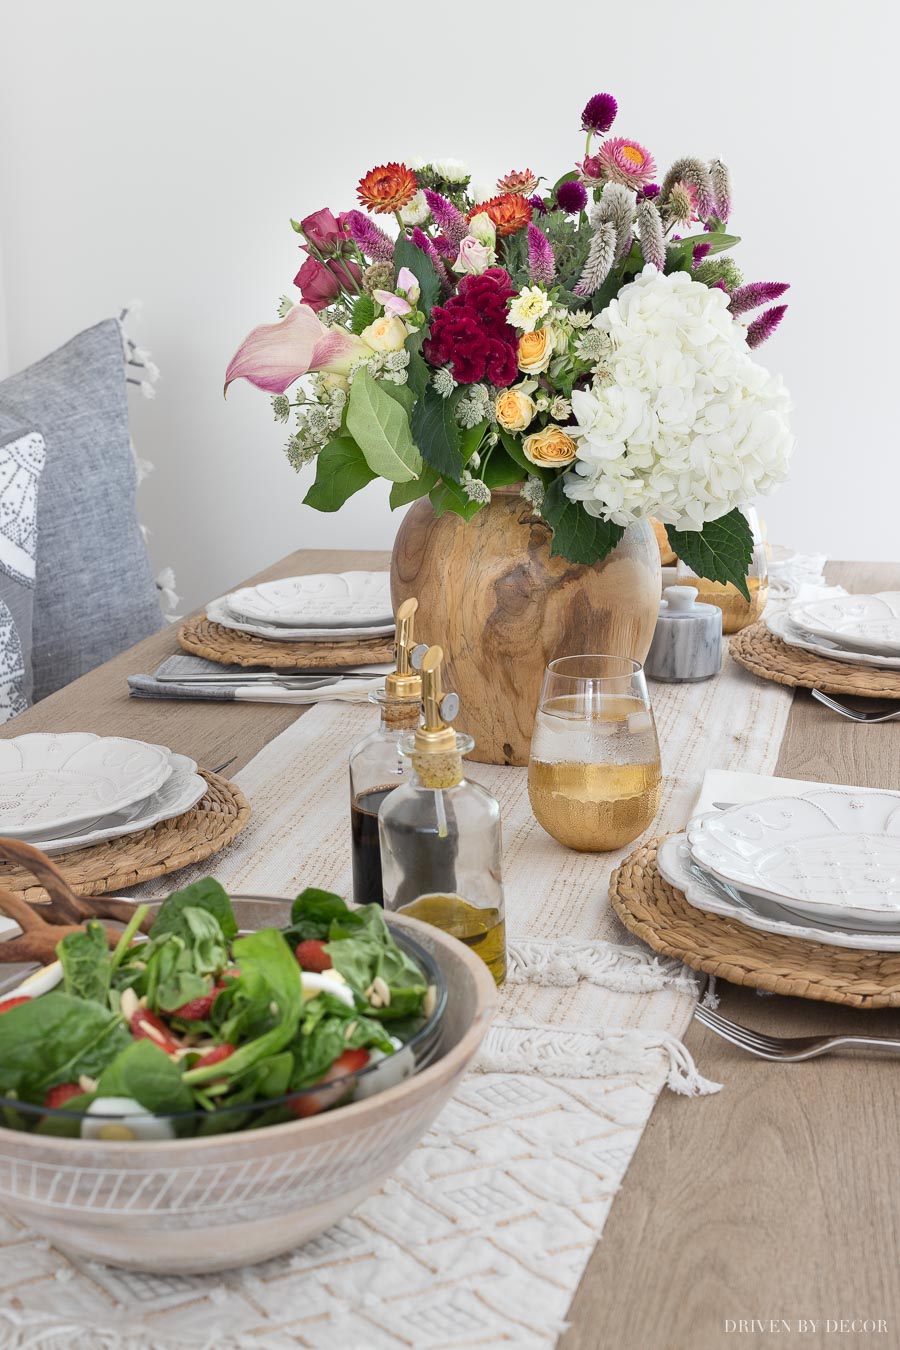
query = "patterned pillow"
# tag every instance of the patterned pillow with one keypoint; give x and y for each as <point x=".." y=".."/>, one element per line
<point x="95" y="592"/>
<point x="21" y="462"/>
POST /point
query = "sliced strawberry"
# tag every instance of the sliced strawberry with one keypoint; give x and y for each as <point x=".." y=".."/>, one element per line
<point x="13" y="1003"/>
<point x="198" y="1009"/>
<point x="146" y="1026"/>
<point x="351" y="1061"/>
<point x="312" y="956"/>
<point x="214" y="1056"/>
<point x="62" y="1093"/>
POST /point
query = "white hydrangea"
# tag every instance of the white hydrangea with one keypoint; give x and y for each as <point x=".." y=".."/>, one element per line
<point x="689" y="426"/>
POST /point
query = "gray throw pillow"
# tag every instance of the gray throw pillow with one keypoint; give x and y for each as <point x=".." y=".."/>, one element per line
<point x="94" y="593"/>
<point x="21" y="462"/>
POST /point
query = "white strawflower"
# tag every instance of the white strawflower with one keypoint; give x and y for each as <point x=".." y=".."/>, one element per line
<point x="688" y="427"/>
<point x="530" y="304"/>
<point x="416" y="211"/>
<point x="454" y="170"/>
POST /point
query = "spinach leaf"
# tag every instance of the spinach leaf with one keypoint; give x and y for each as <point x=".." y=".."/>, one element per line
<point x="366" y="950"/>
<point x="54" y="1039"/>
<point x="206" y="894"/>
<point x="313" y="912"/>
<point x="86" y="963"/>
<point x="143" y="1071"/>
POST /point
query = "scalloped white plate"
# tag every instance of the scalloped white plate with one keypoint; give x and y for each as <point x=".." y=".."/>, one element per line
<point x="674" y="862"/>
<point x="783" y="626"/>
<point x="869" y="623"/>
<point x="322" y="600"/>
<point x="832" y="854"/>
<point x="51" y="782"/>
<point x="218" y="611"/>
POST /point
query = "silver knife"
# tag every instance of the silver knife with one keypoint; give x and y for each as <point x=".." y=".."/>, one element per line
<point x="302" y="679"/>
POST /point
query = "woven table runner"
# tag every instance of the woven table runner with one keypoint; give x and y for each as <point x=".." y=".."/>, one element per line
<point x="481" y="1236"/>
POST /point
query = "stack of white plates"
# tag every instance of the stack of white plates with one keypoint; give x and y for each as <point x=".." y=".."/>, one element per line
<point x="73" y="789"/>
<point x="859" y="629"/>
<point x="823" y="866"/>
<point x="323" y="607"/>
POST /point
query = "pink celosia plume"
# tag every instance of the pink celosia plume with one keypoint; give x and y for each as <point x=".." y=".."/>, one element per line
<point x="541" y="262"/>
<point x="274" y="355"/>
<point x="370" y="238"/>
<point x="452" y="222"/>
<point x="757" y="293"/>
<point x="421" y="240"/>
<point x="763" y="327"/>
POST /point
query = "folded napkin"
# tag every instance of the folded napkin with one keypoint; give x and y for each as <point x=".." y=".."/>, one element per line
<point x="255" y="691"/>
<point x="726" y="785"/>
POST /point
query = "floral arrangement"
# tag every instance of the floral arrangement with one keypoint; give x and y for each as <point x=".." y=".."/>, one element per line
<point x="590" y="340"/>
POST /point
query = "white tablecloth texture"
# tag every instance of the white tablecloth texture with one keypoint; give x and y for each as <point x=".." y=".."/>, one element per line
<point x="481" y="1236"/>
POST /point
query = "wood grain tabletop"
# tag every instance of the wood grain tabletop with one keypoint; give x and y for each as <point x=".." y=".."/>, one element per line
<point x="764" y="1216"/>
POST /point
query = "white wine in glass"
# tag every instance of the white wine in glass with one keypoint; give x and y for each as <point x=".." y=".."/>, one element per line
<point x="594" y="777"/>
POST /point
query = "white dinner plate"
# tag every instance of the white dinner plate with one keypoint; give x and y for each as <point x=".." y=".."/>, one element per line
<point x="323" y="600"/>
<point x="674" y="862"/>
<point x="181" y="790"/>
<point x="832" y="854"/>
<point x="783" y="626"/>
<point x="218" y="611"/>
<point x="51" y="782"/>
<point x="869" y="623"/>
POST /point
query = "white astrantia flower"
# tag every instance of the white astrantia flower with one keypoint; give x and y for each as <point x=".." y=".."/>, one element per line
<point x="685" y="426"/>
<point x="416" y="211"/>
<point x="531" y="304"/>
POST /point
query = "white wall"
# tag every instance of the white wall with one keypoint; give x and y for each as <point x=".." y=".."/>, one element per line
<point x="158" y="151"/>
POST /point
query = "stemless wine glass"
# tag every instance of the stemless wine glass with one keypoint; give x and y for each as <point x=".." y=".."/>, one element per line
<point x="594" y="776"/>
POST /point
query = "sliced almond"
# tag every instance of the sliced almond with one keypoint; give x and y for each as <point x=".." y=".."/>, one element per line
<point x="382" y="989"/>
<point x="128" y="1004"/>
<point x="87" y="1084"/>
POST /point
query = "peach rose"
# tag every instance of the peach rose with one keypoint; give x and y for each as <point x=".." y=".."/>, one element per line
<point x="536" y="350"/>
<point x="514" y="409"/>
<point x="550" y="448"/>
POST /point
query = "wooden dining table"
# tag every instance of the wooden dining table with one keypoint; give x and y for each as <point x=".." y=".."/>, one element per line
<point x="766" y="1215"/>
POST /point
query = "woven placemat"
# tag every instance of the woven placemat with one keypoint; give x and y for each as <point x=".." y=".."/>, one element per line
<point x="219" y="816"/>
<point x="201" y="637"/>
<point x="659" y="914"/>
<point x="765" y="654"/>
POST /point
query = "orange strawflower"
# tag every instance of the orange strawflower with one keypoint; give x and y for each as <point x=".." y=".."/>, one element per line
<point x="387" y="188"/>
<point x="510" y="213"/>
<point x="523" y="181"/>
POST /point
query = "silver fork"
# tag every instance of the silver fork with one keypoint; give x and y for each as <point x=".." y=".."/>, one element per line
<point x="854" y="714"/>
<point x="788" y="1049"/>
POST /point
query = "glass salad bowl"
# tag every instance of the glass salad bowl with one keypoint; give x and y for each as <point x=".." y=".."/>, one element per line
<point x="196" y="1199"/>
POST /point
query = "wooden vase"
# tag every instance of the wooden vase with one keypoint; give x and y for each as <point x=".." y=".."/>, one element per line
<point x="491" y="595"/>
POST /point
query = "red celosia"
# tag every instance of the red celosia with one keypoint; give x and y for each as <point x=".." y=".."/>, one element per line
<point x="471" y="332"/>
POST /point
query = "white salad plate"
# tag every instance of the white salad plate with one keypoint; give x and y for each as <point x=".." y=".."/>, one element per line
<point x="323" y="600"/>
<point x="784" y="627"/>
<point x="220" y="612"/>
<point x="832" y="854"/>
<point x="869" y="623"/>
<point x="51" y="782"/>
<point x="705" y="893"/>
<point x="181" y="790"/>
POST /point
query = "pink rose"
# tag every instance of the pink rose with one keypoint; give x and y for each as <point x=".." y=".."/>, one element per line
<point x="474" y="257"/>
<point x="318" y="284"/>
<point x="323" y="231"/>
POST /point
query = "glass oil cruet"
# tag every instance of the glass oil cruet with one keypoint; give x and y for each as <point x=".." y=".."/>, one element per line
<point x="440" y="834"/>
<point x="376" y="765"/>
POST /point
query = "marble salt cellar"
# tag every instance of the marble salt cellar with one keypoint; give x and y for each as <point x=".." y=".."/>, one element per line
<point x="687" y="644"/>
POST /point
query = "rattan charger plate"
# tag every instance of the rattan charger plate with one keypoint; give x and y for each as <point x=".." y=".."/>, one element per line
<point x="766" y="655"/>
<point x="219" y="816"/>
<point x="661" y="916"/>
<point x="201" y="637"/>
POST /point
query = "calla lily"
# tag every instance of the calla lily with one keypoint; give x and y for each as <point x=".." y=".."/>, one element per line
<point x="274" y="355"/>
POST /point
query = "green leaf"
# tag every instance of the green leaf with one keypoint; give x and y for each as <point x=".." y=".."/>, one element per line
<point x="449" y="496"/>
<point x="404" y="493"/>
<point x="407" y="255"/>
<point x="54" y="1039"/>
<point x="501" y="469"/>
<point x="365" y="951"/>
<point x="362" y="314"/>
<point x="718" y="242"/>
<point x="470" y="440"/>
<point x="207" y="894"/>
<point x="400" y="393"/>
<point x="721" y="551"/>
<point x="417" y="370"/>
<point x="313" y="911"/>
<point x="144" y="1072"/>
<point x="86" y="963"/>
<point x="341" y="470"/>
<point x="436" y="431"/>
<point x="578" y="536"/>
<point x="380" y="428"/>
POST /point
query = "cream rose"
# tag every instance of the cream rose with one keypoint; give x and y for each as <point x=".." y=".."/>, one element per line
<point x="385" y="335"/>
<point x="550" y="448"/>
<point x="514" y="409"/>
<point x="536" y="350"/>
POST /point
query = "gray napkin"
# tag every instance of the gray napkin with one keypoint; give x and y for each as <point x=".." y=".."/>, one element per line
<point x="152" y="686"/>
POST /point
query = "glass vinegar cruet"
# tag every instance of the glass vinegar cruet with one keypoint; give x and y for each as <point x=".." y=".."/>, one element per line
<point x="377" y="766"/>
<point x="440" y="834"/>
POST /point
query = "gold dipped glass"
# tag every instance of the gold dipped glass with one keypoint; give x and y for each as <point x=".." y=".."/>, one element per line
<point x="737" y="613"/>
<point x="594" y="776"/>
